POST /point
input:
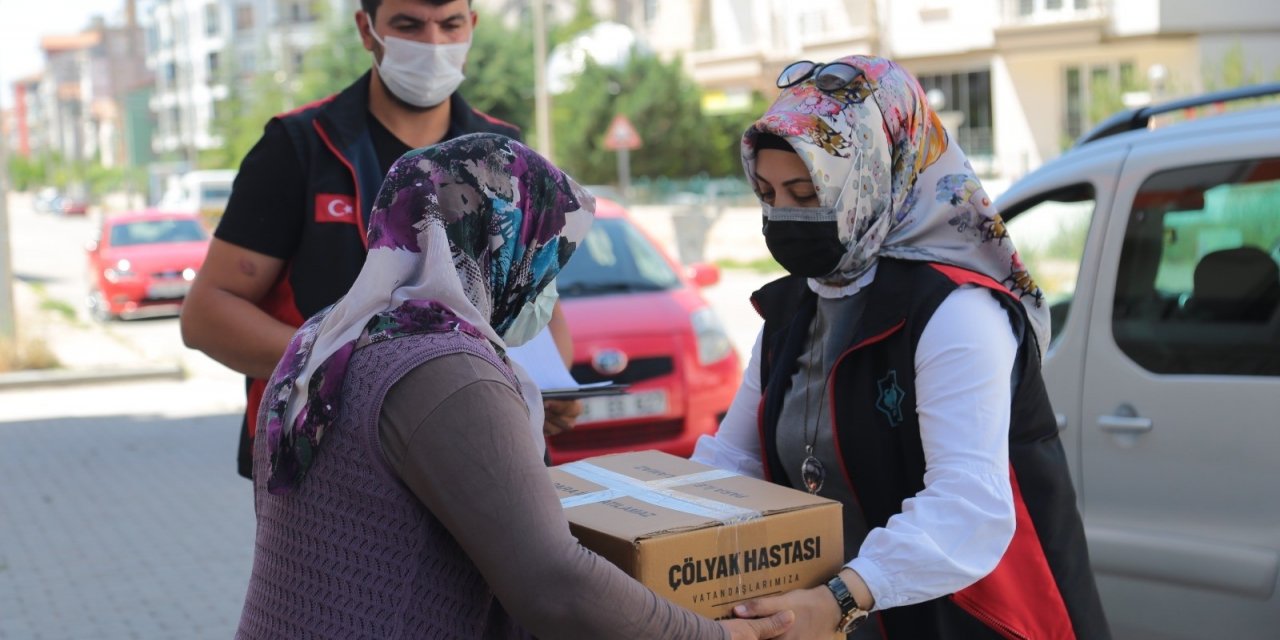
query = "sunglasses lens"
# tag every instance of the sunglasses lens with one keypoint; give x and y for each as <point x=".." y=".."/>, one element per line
<point x="836" y="76"/>
<point x="795" y="72"/>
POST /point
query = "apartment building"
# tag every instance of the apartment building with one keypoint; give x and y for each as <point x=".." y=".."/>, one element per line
<point x="1016" y="80"/>
<point x="196" y="47"/>
<point x="74" y="108"/>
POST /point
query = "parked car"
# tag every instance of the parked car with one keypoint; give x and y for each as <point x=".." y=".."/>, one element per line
<point x="45" y="200"/>
<point x="144" y="260"/>
<point x="1154" y="249"/>
<point x="637" y="317"/>
<point x="71" y="206"/>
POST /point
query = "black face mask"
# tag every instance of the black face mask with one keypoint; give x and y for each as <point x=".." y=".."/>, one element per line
<point x="804" y="240"/>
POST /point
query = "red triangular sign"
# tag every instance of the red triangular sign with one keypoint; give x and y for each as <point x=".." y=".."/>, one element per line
<point x="621" y="135"/>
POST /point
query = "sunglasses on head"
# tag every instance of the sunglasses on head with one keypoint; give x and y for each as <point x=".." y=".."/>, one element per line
<point x="827" y="77"/>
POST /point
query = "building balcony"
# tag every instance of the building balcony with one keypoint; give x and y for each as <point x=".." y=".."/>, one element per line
<point x="1026" y="24"/>
<point x="1027" y="13"/>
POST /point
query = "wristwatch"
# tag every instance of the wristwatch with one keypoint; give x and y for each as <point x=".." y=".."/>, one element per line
<point x="851" y="615"/>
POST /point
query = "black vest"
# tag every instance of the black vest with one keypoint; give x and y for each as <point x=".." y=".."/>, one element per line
<point x="1043" y="587"/>
<point x="335" y="150"/>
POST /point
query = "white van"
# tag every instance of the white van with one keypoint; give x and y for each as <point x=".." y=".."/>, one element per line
<point x="205" y="192"/>
<point x="1159" y="252"/>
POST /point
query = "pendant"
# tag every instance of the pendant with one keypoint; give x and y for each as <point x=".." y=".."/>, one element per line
<point x="812" y="474"/>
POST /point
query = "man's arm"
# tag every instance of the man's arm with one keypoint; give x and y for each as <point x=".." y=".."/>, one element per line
<point x="221" y="316"/>
<point x="559" y="328"/>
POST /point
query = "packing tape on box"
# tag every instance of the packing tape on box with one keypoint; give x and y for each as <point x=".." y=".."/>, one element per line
<point x="656" y="492"/>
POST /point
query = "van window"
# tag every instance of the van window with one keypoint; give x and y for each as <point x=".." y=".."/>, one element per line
<point x="1049" y="232"/>
<point x="1198" y="288"/>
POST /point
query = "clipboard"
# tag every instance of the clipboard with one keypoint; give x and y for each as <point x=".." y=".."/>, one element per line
<point x="587" y="391"/>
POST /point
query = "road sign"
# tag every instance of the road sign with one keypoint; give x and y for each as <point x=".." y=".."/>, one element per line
<point x="621" y="135"/>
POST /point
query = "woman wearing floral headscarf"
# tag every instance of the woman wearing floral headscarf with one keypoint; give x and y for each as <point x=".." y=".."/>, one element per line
<point x="401" y="491"/>
<point x="898" y="371"/>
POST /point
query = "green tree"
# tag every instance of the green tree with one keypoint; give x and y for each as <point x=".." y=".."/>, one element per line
<point x="500" y="71"/>
<point x="336" y="61"/>
<point x="252" y="100"/>
<point x="584" y="17"/>
<point x="663" y="104"/>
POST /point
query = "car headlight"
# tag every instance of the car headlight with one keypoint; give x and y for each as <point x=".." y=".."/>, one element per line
<point x="120" y="270"/>
<point x="713" y="341"/>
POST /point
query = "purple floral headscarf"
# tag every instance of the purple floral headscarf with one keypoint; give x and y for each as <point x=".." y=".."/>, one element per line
<point x="462" y="236"/>
<point x="880" y="156"/>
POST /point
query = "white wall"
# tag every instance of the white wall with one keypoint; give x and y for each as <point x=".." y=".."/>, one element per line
<point x="935" y="27"/>
<point x="1218" y="15"/>
<point x="1135" y="17"/>
<point x="1261" y="53"/>
<point x="1029" y="92"/>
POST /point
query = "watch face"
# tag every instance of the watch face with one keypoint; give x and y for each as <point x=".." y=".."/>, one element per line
<point x="851" y="620"/>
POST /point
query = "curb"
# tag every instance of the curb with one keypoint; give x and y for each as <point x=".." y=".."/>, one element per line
<point x="65" y="377"/>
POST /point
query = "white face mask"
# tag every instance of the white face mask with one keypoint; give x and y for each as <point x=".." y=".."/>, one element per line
<point x="532" y="318"/>
<point x="421" y="74"/>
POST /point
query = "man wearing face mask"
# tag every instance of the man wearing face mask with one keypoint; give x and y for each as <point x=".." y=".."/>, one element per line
<point x="292" y="238"/>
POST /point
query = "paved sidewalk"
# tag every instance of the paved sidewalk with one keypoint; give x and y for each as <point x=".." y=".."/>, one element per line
<point x="122" y="526"/>
<point x="86" y="352"/>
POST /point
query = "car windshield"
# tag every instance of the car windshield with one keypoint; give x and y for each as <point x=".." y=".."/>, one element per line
<point x="615" y="258"/>
<point x="156" y="231"/>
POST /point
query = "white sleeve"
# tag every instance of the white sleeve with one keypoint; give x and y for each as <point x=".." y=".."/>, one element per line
<point x="954" y="531"/>
<point x="736" y="444"/>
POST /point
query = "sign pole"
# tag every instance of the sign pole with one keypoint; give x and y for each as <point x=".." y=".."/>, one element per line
<point x="624" y="172"/>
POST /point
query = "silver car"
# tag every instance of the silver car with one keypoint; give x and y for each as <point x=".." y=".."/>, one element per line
<point x="1157" y="249"/>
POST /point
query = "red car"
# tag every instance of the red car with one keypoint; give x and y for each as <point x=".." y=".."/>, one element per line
<point x="637" y="317"/>
<point x="144" y="260"/>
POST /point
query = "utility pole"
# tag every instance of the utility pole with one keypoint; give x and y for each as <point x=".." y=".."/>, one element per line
<point x="541" y="99"/>
<point x="8" y="326"/>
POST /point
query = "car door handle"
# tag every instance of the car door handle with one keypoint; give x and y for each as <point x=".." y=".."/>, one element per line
<point x="1124" y="424"/>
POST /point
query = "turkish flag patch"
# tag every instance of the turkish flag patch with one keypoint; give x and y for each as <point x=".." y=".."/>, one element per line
<point x="335" y="207"/>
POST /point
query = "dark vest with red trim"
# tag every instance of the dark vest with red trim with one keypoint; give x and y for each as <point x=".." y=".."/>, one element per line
<point x="334" y="147"/>
<point x="1043" y="587"/>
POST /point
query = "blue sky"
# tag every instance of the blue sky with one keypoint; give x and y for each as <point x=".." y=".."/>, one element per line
<point x="24" y="22"/>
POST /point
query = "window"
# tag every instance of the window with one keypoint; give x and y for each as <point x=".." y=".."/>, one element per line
<point x="1050" y="233"/>
<point x="212" y="64"/>
<point x="156" y="232"/>
<point x="1198" y="286"/>
<point x="970" y="95"/>
<point x="615" y="258"/>
<point x="212" y="20"/>
<point x="244" y="17"/>
<point x="1092" y="100"/>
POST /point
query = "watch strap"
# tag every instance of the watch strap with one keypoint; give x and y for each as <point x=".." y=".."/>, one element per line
<point x="850" y="614"/>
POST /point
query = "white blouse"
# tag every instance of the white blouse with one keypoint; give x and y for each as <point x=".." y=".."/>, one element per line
<point x="953" y="532"/>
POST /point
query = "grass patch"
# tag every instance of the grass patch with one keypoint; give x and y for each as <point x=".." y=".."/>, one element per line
<point x="759" y="265"/>
<point x="26" y="354"/>
<point x="60" y="307"/>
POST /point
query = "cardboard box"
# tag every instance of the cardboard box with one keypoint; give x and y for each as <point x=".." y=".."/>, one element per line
<point x="703" y="538"/>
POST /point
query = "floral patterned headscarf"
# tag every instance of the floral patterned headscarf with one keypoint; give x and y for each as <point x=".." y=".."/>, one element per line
<point x="462" y="236"/>
<point x="878" y="154"/>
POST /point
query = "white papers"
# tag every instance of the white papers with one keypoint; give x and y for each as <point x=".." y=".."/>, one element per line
<point x="541" y="359"/>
